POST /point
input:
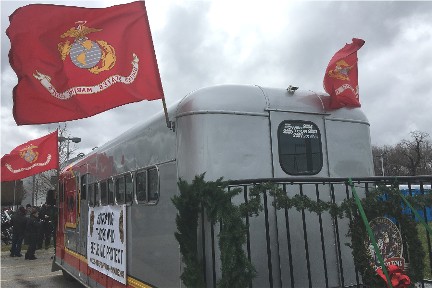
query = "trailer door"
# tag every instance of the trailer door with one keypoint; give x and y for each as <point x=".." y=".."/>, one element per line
<point x="299" y="149"/>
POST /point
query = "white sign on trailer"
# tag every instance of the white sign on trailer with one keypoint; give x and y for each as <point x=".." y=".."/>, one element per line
<point x="106" y="241"/>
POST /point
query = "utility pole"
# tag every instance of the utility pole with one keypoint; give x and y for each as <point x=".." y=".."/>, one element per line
<point x="68" y="139"/>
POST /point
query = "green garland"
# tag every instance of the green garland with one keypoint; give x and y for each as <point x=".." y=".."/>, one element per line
<point x="237" y="271"/>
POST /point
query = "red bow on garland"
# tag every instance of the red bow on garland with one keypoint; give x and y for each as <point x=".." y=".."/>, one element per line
<point x="397" y="277"/>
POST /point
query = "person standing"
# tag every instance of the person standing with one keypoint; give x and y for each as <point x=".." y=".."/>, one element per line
<point x="32" y="232"/>
<point x="19" y="223"/>
<point x="46" y="221"/>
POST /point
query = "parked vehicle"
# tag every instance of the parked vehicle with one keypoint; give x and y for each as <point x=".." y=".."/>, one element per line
<point x="117" y="221"/>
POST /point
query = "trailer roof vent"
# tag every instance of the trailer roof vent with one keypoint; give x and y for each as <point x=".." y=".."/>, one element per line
<point x="292" y="89"/>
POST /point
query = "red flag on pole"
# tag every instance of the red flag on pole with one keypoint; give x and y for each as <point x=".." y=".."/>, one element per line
<point x="75" y="62"/>
<point x="31" y="158"/>
<point x="341" y="77"/>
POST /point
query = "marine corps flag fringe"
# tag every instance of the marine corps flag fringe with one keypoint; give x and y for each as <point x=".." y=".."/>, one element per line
<point x="341" y="77"/>
<point x="75" y="62"/>
<point x="31" y="158"/>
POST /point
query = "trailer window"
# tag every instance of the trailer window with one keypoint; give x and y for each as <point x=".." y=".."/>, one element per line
<point x="300" y="149"/>
<point x="96" y="194"/>
<point x="153" y="179"/>
<point x="91" y="195"/>
<point x="104" y="192"/>
<point x="141" y="186"/>
<point x="110" y="192"/>
<point x="71" y="203"/>
<point x="84" y="187"/>
<point x="120" y="190"/>
<point x="147" y="186"/>
<point x="129" y="188"/>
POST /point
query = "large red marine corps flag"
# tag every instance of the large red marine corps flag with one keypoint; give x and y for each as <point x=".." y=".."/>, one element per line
<point x="75" y="62"/>
<point x="31" y="158"/>
<point x="341" y="77"/>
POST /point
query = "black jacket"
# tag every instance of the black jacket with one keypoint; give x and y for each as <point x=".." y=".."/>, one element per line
<point x="19" y="223"/>
<point x="33" y="227"/>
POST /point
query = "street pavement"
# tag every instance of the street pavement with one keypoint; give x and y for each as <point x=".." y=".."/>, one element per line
<point x="18" y="272"/>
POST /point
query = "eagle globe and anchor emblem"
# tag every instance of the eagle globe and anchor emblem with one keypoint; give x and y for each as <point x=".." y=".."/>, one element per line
<point x="31" y="156"/>
<point x="85" y="53"/>
<point x="95" y="56"/>
<point x="28" y="154"/>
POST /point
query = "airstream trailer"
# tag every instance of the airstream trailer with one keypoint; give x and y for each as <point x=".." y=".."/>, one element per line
<point x="230" y="131"/>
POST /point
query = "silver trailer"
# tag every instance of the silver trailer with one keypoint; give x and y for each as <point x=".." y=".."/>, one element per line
<point x="235" y="132"/>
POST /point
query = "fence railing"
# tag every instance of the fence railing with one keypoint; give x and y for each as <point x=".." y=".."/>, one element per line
<point x="296" y="248"/>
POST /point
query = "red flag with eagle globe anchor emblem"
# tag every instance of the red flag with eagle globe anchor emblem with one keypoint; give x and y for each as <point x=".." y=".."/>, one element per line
<point x="341" y="77"/>
<point x="31" y="158"/>
<point x="75" y="62"/>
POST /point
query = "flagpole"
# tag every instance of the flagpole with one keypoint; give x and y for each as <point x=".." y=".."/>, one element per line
<point x="166" y="113"/>
<point x="14" y="195"/>
<point x="33" y="194"/>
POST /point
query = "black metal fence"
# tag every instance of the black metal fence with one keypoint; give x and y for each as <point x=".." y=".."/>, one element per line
<point x="296" y="248"/>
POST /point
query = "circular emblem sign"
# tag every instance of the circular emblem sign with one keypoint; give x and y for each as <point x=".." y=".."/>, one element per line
<point x="388" y="238"/>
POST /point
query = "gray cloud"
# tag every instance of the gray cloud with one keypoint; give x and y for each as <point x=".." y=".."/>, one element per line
<point x="274" y="43"/>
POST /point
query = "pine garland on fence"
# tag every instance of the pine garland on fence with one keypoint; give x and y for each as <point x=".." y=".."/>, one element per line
<point x="236" y="269"/>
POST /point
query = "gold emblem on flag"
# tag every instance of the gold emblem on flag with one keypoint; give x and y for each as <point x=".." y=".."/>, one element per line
<point x="341" y="71"/>
<point x="95" y="56"/>
<point x="28" y="154"/>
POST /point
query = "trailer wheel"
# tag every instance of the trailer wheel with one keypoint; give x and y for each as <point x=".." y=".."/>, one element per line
<point x="67" y="276"/>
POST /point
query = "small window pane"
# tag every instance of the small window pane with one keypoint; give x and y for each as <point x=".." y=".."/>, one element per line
<point x="141" y="185"/>
<point x="70" y="203"/>
<point x="153" y="179"/>
<point x="300" y="150"/>
<point x="90" y="195"/>
<point x="120" y="190"/>
<point x="110" y="192"/>
<point x="129" y="188"/>
<point x="96" y="194"/>
<point x="84" y="187"/>
<point x="104" y="192"/>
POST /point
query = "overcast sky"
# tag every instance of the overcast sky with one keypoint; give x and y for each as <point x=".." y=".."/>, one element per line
<point x="267" y="43"/>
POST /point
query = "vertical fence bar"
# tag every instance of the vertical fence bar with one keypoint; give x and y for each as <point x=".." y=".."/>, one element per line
<point x="351" y="219"/>
<point x="338" y="245"/>
<point x="306" y="241"/>
<point x="213" y="253"/>
<point x="246" y="200"/>
<point x="267" y="230"/>
<point x="427" y="234"/>
<point x="322" y="239"/>
<point x="203" y="245"/>
<point x="287" y="226"/>
<point x="277" y="245"/>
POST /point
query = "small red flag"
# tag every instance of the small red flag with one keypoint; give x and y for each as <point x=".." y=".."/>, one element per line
<point x="341" y="77"/>
<point x="75" y="62"/>
<point x="31" y="158"/>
